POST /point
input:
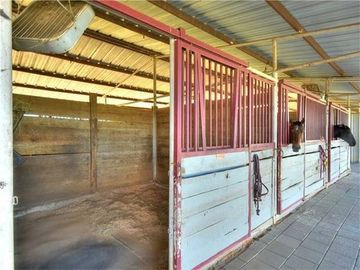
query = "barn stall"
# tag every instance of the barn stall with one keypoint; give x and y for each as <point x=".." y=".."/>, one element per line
<point x="300" y="174"/>
<point x="91" y="133"/>
<point x="97" y="181"/>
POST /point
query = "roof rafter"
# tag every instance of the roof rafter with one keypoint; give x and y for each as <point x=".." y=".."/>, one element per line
<point x="105" y="65"/>
<point x="84" y="79"/>
<point x="123" y="44"/>
<point x="67" y="91"/>
<point x="297" y="26"/>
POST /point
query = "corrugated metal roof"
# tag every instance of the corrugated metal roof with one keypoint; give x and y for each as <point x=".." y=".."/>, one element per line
<point x="251" y="20"/>
<point x="240" y="20"/>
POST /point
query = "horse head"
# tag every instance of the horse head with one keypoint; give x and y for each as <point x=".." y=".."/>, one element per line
<point x="297" y="129"/>
<point x="344" y="132"/>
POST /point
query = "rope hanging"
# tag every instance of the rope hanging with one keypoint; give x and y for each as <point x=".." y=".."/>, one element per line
<point x="258" y="184"/>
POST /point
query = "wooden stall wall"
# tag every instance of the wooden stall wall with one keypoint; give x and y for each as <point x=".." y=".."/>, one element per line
<point x="163" y="145"/>
<point x="214" y="204"/>
<point x="124" y="146"/>
<point x="54" y="139"/>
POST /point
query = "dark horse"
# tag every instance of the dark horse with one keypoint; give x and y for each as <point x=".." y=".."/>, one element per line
<point x="344" y="132"/>
<point x="297" y="129"/>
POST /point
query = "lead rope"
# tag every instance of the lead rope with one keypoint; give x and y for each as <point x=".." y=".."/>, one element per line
<point x="258" y="184"/>
<point x="323" y="158"/>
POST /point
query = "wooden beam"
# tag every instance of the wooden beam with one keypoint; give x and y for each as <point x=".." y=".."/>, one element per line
<point x="295" y="36"/>
<point x="93" y="141"/>
<point x="67" y="91"/>
<point x="84" y="79"/>
<point x="296" y="25"/>
<point x="206" y="28"/>
<point x="128" y="24"/>
<point x="320" y="62"/>
<point x="124" y="44"/>
<point x="333" y="79"/>
<point x="104" y="65"/>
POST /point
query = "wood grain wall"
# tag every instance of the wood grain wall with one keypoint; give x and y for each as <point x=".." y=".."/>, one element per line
<point x="163" y="145"/>
<point x="54" y="138"/>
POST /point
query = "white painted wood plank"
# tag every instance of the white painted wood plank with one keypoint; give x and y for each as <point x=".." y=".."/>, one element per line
<point x="206" y="164"/>
<point x="201" y="246"/>
<point x="314" y="187"/>
<point x="204" y="201"/>
<point x="208" y="182"/>
<point x="196" y="223"/>
<point x="295" y="191"/>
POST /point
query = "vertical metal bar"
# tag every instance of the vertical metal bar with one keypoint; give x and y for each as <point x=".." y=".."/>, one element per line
<point x="93" y="141"/>
<point x="227" y="105"/>
<point x="235" y="110"/>
<point x="240" y="112"/>
<point x="216" y="106"/>
<point x="211" y="101"/>
<point x="154" y="124"/>
<point x="246" y="110"/>
<point x="188" y="99"/>
<point x="201" y="102"/>
<point x="250" y="109"/>
<point x="6" y="141"/>
<point x="221" y="107"/>
<point x="287" y="116"/>
<point x="196" y="101"/>
<point x="191" y="91"/>
<point x="262" y="118"/>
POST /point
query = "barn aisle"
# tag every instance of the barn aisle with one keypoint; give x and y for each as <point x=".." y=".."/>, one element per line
<point x="122" y="229"/>
<point x="324" y="233"/>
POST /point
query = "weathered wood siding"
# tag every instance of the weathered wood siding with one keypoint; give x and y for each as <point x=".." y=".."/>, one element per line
<point x="214" y="207"/>
<point x="124" y="146"/>
<point x="163" y="145"/>
<point x="266" y="171"/>
<point x="53" y="136"/>
<point x="292" y="176"/>
<point x="314" y="174"/>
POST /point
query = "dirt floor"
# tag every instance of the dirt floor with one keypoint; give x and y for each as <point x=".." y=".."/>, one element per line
<point x="122" y="229"/>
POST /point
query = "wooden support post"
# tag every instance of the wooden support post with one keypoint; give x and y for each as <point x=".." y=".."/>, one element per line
<point x="93" y="141"/>
<point x="154" y="124"/>
<point x="6" y="141"/>
<point x="276" y="161"/>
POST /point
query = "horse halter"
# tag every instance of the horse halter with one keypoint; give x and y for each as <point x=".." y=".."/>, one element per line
<point x="258" y="184"/>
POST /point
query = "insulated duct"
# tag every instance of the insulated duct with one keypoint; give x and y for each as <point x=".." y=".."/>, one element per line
<point x="51" y="26"/>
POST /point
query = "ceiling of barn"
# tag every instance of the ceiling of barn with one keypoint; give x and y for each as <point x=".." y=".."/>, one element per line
<point x="241" y="21"/>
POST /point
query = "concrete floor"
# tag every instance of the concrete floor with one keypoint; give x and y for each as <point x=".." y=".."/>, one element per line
<point x="324" y="233"/>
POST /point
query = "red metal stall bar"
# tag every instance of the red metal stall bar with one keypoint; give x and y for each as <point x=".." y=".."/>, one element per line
<point x="315" y="118"/>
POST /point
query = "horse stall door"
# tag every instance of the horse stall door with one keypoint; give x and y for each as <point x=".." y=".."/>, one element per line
<point x="291" y="165"/>
<point x="211" y="187"/>
<point x="214" y="205"/>
<point x="315" y="148"/>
